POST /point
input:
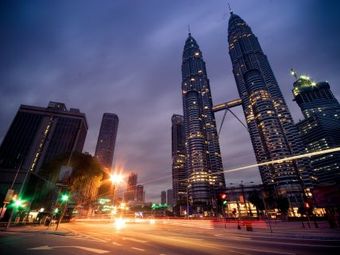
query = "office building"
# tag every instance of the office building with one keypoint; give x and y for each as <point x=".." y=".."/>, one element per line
<point x="105" y="150"/>
<point x="36" y="136"/>
<point x="163" y="197"/>
<point x="170" y="197"/>
<point x="131" y="189"/>
<point x="320" y="130"/>
<point x="179" y="182"/>
<point x="140" y="194"/>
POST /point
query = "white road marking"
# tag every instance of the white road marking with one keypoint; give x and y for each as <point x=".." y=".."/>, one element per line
<point x="46" y="247"/>
<point x="260" y="250"/>
<point x="92" y="237"/>
<point x="135" y="240"/>
<point x="117" y="244"/>
<point x="233" y="237"/>
<point x="137" y="249"/>
<point x="237" y="252"/>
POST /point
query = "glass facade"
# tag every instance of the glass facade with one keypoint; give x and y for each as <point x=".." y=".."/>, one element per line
<point x="179" y="176"/>
<point x="38" y="135"/>
<point x="203" y="157"/>
<point x="107" y="139"/>
<point x="320" y="129"/>
<point x="272" y="131"/>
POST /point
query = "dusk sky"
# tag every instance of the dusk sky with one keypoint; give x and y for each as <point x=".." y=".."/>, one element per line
<point x="125" y="57"/>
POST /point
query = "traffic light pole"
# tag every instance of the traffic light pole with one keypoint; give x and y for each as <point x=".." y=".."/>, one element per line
<point x="61" y="216"/>
<point x="19" y="195"/>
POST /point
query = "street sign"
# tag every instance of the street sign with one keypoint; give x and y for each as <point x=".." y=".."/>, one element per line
<point x="65" y="173"/>
<point x="9" y="196"/>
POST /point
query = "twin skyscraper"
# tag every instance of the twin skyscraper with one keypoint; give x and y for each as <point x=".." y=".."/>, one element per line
<point x="270" y="125"/>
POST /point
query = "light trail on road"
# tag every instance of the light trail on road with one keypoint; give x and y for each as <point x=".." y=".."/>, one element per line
<point x="276" y="161"/>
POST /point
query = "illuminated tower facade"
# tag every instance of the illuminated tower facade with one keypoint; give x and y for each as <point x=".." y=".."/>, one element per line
<point x="272" y="131"/>
<point x="320" y="129"/>
<point x="203" y="157"/>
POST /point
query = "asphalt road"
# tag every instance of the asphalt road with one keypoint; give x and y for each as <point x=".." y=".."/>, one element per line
<point x="160" y="238"/>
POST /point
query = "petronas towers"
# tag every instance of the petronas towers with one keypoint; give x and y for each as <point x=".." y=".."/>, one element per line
<point x="271" y="128"/>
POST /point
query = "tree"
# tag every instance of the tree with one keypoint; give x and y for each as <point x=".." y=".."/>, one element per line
<point x="256" y="199"/>
<point x="282" y="205"/>
<point x="85" y="179"/>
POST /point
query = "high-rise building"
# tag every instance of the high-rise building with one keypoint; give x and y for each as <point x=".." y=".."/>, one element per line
<point x="163" y="197"/>
<point x="130" y="194"/>
<point x="272" y="131"/>
<point x="140" y="195"/>
<point x="107" y="139"/>
<point x="36" y="136"/>
<point x="170" y="197"/>
<point x="321" y="127"/>
<point x="179" y="182"/>
<point x="105" y="149"/>
<point x="203" y="157"/>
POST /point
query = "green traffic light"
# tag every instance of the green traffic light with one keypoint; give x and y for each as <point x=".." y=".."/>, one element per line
<point x="19" y="203"/>
<point x="65" y="197"/>
<point x="225" y="202"/>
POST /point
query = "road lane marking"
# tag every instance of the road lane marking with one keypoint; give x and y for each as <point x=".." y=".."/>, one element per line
<point x="137" y="249"/>
<point x="46" y="247"/>
<point x="237" y="252"/>
<point x="260" y="250"/>
<point x="296" y="244"/>
<point x="135" y="240"/>
<point x="93" y="238"/>
<point x="117" y="244"/>
<point x="233" y="237"/>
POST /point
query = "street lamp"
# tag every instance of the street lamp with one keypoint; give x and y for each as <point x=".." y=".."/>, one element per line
<point x="116" y="178"/>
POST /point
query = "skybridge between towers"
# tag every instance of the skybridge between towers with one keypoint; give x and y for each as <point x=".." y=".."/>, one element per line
<point x="226" y="106"/>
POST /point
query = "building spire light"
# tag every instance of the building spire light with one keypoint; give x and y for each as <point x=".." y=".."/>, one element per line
<point x="293" y="73"/>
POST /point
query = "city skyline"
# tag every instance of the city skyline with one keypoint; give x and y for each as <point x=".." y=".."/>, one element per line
<point x="61" y="61"/>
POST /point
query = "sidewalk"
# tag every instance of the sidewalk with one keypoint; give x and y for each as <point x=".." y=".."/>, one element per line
<point x="265" y="228"/>
<point x="36" y="228"/>
<point x="285" y="229"/>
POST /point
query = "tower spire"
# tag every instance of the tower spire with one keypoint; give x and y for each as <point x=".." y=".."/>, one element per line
<point x="230" y="10"/>
<point x="189" y="31"/>
<point x="293" y="73"/>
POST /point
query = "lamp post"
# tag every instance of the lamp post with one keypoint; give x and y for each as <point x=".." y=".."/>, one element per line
<point x="116" y="179"/>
